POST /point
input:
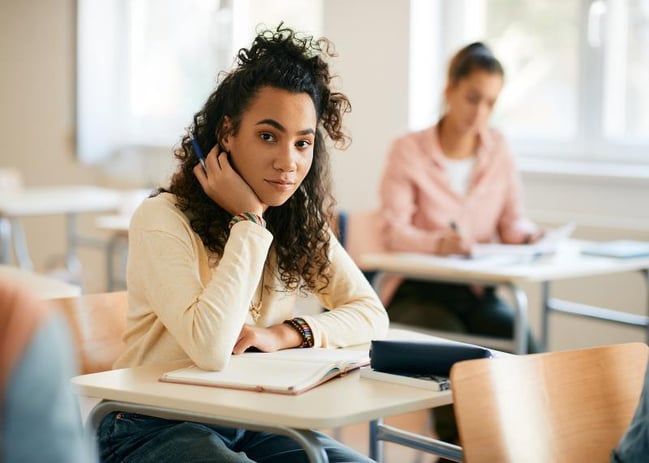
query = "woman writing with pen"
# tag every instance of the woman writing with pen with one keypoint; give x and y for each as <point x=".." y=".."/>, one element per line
<point x="446" y="188"/>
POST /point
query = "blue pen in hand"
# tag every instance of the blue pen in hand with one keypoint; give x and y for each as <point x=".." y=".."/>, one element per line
<point x="198" y="151"/>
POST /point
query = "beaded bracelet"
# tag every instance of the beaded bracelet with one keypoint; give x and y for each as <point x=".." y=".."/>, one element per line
<point x="303" y="328"/>
<point x="259" y="220"/>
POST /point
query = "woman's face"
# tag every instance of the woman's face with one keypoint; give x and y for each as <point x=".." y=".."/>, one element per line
<point x="471" y="100"/>
<point x="273" y="147"/>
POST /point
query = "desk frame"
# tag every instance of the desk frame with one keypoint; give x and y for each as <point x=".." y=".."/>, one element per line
<point x="517" y="345"/>
<point x="305" y="437"/>
<point x="550" y="304"/>
<point x="139" y="390"/>
<point x="65" y="200"/>
<point x="512" y="283"/>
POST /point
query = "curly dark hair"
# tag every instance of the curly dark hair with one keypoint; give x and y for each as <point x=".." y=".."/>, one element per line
<point x="290" y="61"/>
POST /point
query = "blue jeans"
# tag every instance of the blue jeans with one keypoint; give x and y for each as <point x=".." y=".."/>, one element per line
<point x="634" y="445"/>
<point x="134" y="438"/>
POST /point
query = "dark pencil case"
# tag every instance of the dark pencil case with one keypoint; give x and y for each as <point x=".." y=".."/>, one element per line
<point x="421" y="357"/>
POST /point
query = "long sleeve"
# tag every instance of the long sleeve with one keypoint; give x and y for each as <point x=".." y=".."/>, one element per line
<point x="406" y="168"/>
<point x="355" y="314"/>
<point x="180" y="303"/>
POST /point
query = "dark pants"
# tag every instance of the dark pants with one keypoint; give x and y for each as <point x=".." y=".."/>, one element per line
<point x="143" y="439"/>
<point x="456" y="308"/>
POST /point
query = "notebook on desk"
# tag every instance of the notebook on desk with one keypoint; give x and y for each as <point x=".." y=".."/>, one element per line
<point x="290" y="371"/>
<point x="620" y="249"/>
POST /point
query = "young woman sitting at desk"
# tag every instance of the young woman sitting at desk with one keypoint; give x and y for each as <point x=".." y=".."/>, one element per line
<point x="217" y="260"/>
<point x="447" y="187"/>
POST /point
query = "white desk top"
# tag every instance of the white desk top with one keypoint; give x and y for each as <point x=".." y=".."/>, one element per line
<point x="42" y="286"/>
<point x="59" y="200"/>
<point x="341" y="401"/>
<point x="116" y="222"/>
<point x="568" y="262"/>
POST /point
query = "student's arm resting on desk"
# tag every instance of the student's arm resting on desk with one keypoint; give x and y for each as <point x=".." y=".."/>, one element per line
<point x="178" y="306"/>
<point x="356" y="315"/>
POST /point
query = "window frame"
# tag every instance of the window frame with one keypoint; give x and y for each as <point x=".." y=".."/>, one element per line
<point x="589" y="143"/>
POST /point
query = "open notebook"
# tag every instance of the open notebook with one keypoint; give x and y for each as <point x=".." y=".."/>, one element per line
<point x="290" y="371"/>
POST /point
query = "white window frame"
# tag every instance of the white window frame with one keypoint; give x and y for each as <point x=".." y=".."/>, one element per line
<point x="458" y="23"/>
<point x="105" y="128"/>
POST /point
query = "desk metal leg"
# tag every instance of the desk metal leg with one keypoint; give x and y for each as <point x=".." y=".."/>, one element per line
<point x="376" y="445"/>
<point x="545" y="313"/>
<point x="20" y="244"/>
<point x="5" y="240"/>
<point x="520" y="319"/>
<point x="380" y="432"/>
<point x="72" y="261"/>
<point x="305" y="437"/>
<point x="116" y="250"/>
<point x="645" y="273"/>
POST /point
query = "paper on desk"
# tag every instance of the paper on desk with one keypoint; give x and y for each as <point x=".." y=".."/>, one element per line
<point x="546" y="245"/>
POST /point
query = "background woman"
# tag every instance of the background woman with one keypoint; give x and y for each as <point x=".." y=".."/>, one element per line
<point x="447" y="187"/>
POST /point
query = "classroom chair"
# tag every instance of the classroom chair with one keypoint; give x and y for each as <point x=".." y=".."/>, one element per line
<point x="568" y="406"/>
<point x="358" y="233"/>
<point x="97" y="323"/>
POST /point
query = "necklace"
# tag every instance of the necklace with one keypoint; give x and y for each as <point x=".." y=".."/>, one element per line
<point x="255" y="307"/>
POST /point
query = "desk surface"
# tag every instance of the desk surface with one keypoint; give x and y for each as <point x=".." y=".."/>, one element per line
<point x="341" y="401"/>
<point x="42" y="286"/>
<point x="567" y="262"/>
<point x="117" y="223"/>
<point x="59" y="200"/>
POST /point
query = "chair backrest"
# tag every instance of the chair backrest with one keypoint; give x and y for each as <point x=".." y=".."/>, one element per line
<point x="97" y="323"/>
<point x="360" y="233"/>
<point x="569" y="406"/>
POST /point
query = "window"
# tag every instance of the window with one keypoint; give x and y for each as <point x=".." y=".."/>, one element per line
<point x="144" y="67"/>
<point x="576" y="72"/>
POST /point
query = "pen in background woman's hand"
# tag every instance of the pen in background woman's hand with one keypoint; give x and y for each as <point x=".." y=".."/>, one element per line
<point x="454" y="242"/>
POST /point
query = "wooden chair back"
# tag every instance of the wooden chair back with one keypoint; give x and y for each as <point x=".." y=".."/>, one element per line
<point x="569" y="406"/>
<point x="97" y="323"/>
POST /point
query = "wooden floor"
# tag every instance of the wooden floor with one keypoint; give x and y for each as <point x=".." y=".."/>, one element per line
<point x="357" y="437"/>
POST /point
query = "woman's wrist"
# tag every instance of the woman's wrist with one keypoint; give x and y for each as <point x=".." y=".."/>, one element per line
<point x="288" y="337"/>
<point x="249" y="216"/>
<point x="303" y="329"/>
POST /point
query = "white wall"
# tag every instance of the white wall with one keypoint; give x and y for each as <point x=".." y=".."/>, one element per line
<point x="37" y="133"/>
<point x="372" y="42"/>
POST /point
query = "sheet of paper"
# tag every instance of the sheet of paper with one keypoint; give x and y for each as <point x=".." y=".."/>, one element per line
<point x="546" y="245"/>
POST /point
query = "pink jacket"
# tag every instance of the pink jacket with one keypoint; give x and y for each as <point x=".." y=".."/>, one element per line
<point x="418" y="202"/>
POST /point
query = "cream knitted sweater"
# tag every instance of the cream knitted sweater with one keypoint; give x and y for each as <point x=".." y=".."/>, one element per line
<point x="185" y="302"/>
